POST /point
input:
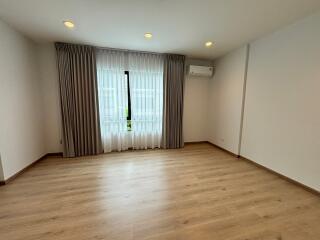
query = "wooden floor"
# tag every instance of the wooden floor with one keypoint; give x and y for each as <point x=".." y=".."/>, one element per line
<point x="195" y="193"/>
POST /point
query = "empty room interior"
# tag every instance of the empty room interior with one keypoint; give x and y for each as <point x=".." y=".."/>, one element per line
<point x="160" y="120"/>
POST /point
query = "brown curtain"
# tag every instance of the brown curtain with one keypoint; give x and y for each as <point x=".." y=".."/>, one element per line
<point x="174" y="72"/>
<point x="79" y="99"/>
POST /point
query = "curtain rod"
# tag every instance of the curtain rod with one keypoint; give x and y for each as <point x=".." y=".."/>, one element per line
<point x="121" y="49"/>
<point x="128" y="50"/>
<point x="136" y="51"/>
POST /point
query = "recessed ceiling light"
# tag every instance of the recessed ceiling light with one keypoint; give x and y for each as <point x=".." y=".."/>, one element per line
<point x="209" y="44"/>
<point x="148" y="35"/>
<point x="68" y="24"/>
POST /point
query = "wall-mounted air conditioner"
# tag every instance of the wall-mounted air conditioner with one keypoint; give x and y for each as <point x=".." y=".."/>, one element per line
<point x="201" y="71"/>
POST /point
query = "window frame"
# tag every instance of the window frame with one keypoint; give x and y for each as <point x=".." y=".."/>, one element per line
<point x="129" y="101"/>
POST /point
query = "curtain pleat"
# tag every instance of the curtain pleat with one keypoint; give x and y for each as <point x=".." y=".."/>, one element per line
<point x="174" y="74"/>
<point x="79" y="99"/>
<point x="146" y="85"/>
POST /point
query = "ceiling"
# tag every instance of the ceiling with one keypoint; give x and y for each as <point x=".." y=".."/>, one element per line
<point x="178" y="26"/>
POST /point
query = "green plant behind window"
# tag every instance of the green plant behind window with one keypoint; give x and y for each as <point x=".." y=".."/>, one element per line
<point x="128" y="120"/>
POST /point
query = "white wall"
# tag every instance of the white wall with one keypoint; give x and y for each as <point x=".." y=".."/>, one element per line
<point x="225" y="100"/>
<point x="51" y="97"/>
<point x="282" y="110"/>
<point x="21" y="121"/>
<point x="195" y="114"/>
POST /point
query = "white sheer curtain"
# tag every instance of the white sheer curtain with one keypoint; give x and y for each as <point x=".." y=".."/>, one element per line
<point x="113" y="100"/>
<point x="146" y="88"/>
<point x="146" y="92"/>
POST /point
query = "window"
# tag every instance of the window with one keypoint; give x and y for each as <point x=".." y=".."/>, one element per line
<point x="130" y="87"/>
